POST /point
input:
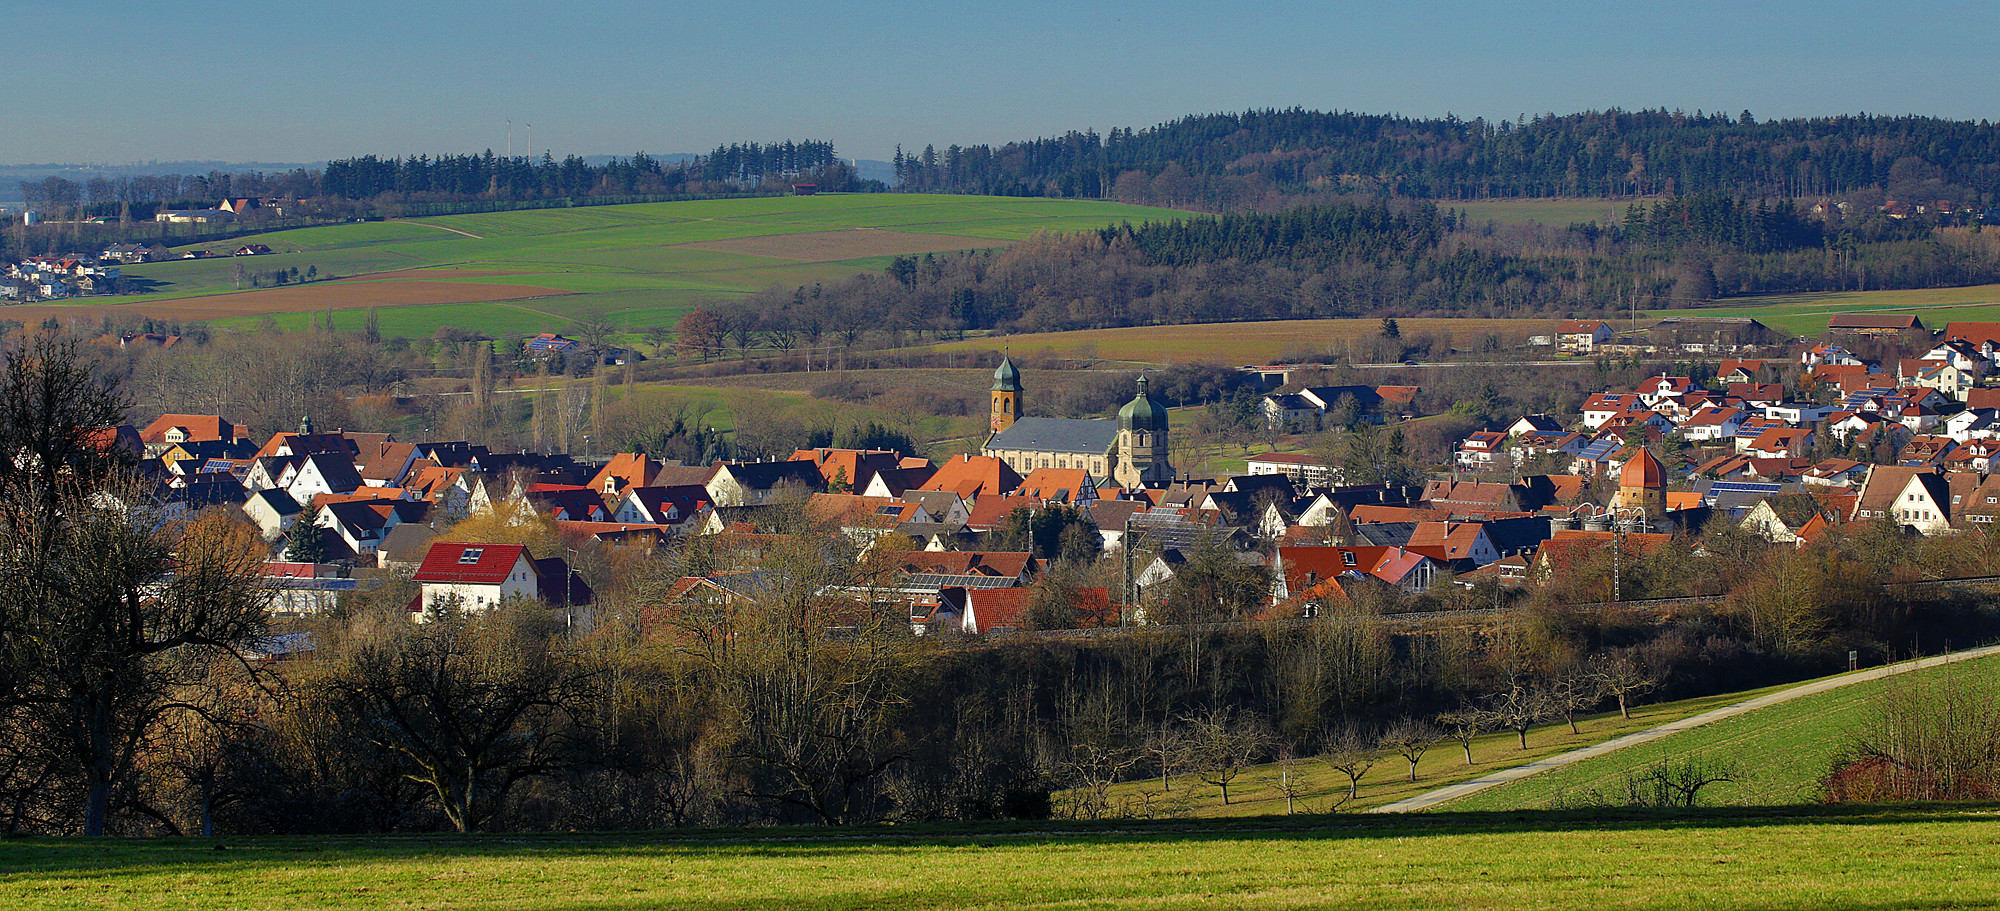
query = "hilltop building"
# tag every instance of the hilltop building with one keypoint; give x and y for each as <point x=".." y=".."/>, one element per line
<point x="1131" y="450"/>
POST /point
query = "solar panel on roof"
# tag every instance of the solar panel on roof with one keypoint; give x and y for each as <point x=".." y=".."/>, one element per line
<point x="1599" y="449"/>
<point x="940" y="580"/>
<point x="1745" y="487"/>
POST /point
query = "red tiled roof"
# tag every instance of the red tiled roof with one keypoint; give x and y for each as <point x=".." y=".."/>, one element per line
<point x="445" y="562"/>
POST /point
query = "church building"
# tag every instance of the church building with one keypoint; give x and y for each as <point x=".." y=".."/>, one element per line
<point x="1130" y="451"/>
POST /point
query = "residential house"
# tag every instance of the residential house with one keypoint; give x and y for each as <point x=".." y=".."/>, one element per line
<point x="1781" y="443"/>
<point x="172" y="429"/>
<point x="1581" y="336"/>
<point x="1733" y="371"/>
<point x="1450" y="543"/>
<point x="624" y="471"/>
<point x="1296" y="570"/>
<point x="476" y="576"/>
<point x="972" y="477"/>
<point x="1780" y="518"/>
<point x="1713" y="425"/>
<point x="1917" y="497"/>
<point x="1943" y="376"/>
<point x="361" y="525"/>
<point x="1601" y="407"/>
<point x="852" y="470"/>
<point x="321" y="472"/>
<point x="272" y="511"/>
<point x="679" y="507"/>
<point x="759" y="483"/>
<point x="1829" y="354"/>
<point x="1484" y="450"/>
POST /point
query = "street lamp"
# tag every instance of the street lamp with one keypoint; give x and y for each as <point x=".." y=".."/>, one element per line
<point x="569" y="576"/>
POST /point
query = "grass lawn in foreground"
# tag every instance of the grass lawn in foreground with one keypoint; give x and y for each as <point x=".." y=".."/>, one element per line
<point x="1807" y="858"/>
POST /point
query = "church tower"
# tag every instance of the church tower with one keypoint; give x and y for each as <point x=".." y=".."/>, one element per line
<point x="1142" y="443"/>
<point x="1006" y="394"/>
<point x="1642" y="485"/>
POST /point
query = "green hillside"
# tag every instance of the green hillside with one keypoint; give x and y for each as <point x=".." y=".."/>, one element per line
<point x="633" y="265"/>
<point x="1781" y="752"/>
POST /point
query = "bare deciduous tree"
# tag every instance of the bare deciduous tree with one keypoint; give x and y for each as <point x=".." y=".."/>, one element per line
<point x="1465" y="726"/>
<point x="1352" y="754"/>
<point x="1411" y="739"/>
<point x="1622" y="677"/>
<point x="1522" y="705"/>
<point x="1224" y="743"/>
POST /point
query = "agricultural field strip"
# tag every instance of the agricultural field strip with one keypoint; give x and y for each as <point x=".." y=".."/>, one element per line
<point x="1814" y="857"/>
<point x="1463" y="789"/>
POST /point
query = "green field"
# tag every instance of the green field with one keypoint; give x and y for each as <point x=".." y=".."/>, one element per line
<point x="1783" y="751"/>
<point x="1253" y="794"/>
<point x="1805" y="858"/>
<point x="1807" y="314"/>
<point x="631" y="266"/>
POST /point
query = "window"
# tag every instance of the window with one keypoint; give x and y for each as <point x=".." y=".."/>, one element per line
<point x="1347" y="558"/>
<point x="470" y="556"/>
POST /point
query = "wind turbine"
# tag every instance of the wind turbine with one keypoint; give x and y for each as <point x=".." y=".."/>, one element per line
<point x="510" y="139"/>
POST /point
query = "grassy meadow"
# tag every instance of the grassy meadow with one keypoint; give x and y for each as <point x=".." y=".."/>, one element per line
<point x="1782" y="751"/>
<point x="1256" y="793"/>
<point x="1803" y="858"/>
<point x="632" y="265"/>
<point x="1807" y="314"/>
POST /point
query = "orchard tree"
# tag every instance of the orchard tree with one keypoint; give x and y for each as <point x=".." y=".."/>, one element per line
<point x="104" y="607"/>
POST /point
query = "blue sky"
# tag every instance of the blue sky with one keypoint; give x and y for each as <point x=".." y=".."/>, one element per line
<point x="241" y="81"/>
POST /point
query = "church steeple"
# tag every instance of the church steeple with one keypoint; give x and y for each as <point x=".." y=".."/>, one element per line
<point x="1006" y="394"/>
<point x="306" y="425"/>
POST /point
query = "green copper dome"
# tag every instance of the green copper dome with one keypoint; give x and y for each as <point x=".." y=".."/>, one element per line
<point x="1006" y="377"/>
<point x="1142" y="413"/>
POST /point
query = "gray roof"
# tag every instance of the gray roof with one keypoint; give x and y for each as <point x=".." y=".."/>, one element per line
<point x="278" y="500"/>
<point x="1091" y="437"/>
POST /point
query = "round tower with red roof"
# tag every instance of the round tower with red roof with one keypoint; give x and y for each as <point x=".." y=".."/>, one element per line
<point x="1642" y="485"/>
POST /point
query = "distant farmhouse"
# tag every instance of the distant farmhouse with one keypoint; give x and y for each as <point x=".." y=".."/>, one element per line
<point x="1874" y="323"/>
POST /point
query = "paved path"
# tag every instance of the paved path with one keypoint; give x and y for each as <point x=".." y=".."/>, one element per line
<point x="1430" y="799"/>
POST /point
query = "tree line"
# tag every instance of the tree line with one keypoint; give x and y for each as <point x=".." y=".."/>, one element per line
<point x="1352" y="259"/>
<point x="1225" y="160"/>
<point x="453" y="176"/>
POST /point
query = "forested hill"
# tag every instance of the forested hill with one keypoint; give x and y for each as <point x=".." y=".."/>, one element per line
<point x="1232" y="161"/>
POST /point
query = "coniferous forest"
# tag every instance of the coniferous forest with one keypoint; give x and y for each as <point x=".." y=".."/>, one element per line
<point x="1228" y="161"/>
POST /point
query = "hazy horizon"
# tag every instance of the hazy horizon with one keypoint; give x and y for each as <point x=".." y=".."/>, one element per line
<point x="219" y="81"/>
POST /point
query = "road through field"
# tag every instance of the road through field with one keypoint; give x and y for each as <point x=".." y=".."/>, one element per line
<point x="1431" y="799"/>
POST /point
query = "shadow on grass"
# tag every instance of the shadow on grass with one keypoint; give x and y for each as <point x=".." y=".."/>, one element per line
<point x="46" y="857"/>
